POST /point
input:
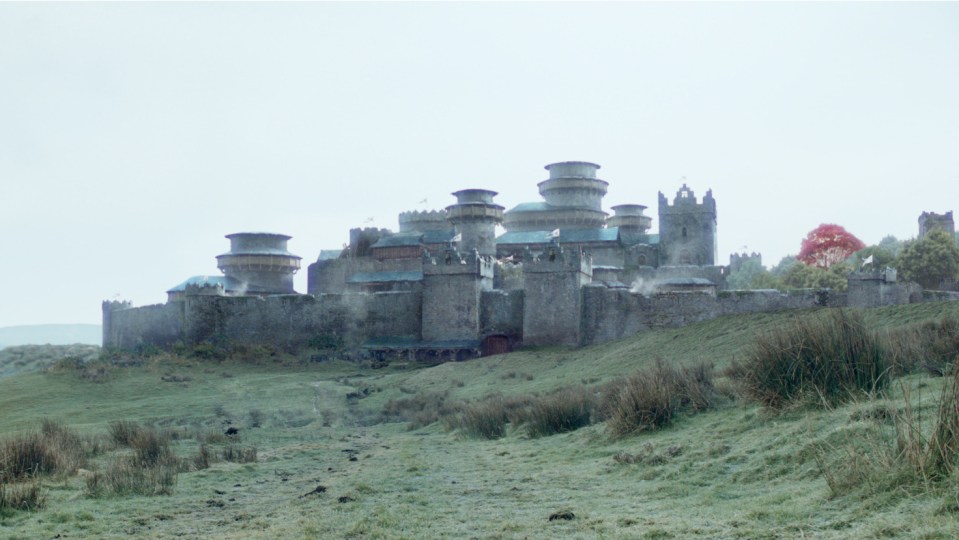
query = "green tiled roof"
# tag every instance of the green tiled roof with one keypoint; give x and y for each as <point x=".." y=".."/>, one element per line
<point x="565" y="236"/>
<point x="229" y="283"/>
<point x="541" y="206"/>
<point x="399" y="240"/>
<point x="385" y="277"/>
<point x="327" y="254"/>
<point x="438" y="237"/>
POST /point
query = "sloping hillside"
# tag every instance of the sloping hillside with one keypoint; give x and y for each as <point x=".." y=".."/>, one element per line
<point x="331" y="463"/>
<point x="26" y="358"/>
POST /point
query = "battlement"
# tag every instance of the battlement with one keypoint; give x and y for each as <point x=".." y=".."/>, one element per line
<point x="113" y="305"/>
<point x="685" y="200"/>
<point x="451" y="261"/>
<point x="204" y="289"/>
<point x="930" y="221"/>
<point x="736" y="260"/>
<point x="557" y="259"/>
<point x="423" y="221"/>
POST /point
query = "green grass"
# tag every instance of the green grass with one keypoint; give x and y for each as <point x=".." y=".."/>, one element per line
<point x="735" y="471"/>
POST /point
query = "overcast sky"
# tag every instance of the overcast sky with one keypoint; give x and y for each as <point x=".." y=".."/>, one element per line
<point x="134" y="136"/>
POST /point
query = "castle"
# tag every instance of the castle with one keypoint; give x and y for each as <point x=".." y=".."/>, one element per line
<point x="446" y="287"/>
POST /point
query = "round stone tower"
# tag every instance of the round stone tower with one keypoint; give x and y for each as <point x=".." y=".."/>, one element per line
<point x="260" y="262"/>
<point x="574" y="183"/>
<point x="475" y="217"/>
<point x="630" y="217"/>
<point x="573" y="198"/>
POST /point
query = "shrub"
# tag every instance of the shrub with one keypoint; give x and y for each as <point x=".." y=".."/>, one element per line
<point x="828" y="356"/>
<point x="21" y="496"/>
<point x="932" y="345"/>
<point x="941" y="456"/>
<point x="487" y="419"/>
<point x="419" y="410"/>
<point x="645" y="402"/>
<point x="55" y="449"/>
<point x="203" y="458"/>
<point x="877" y="461"/>
<point x="125" y="476"/>
<point x="238" y="454"/>
<point x="26" y="456"/>
<point x="208" y="351"/>
<point x="566" y="410"/>
<point x="651" y="398"/>
<point x="71" y="449"/>
<point x="151" y="448"/>
<point x="122" y="432"/>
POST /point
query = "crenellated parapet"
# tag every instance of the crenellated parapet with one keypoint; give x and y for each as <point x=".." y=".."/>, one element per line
<point x="204" y="289"/>
<point x="737" y="260"/>
<point x="113" y="305"/>
<point x="424" y="220"/>
<point x="685" y="200"/>
<point x="931" y="221"/>
<point x="452" y="261"/>
<point x="557" y="259"/>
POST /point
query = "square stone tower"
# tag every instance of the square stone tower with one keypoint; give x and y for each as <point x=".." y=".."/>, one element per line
<point x="553" y="302"/>
<point x="930" y="221"/>
<point x="687" y="229"/>
<point x="452" y="287"/>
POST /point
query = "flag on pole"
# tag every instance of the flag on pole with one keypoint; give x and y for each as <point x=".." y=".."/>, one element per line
<point x="457" y="238"/>
<point x="554" y="234"/>
<point x="867" y="260"/>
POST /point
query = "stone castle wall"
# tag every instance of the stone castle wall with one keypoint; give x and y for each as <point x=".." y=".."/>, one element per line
<point x="610" y="314"/>
<point x="557" y="307"/>
<point x="158" y="324"/>
<point x="502" y="314"/>
<point x="288" y="322"/>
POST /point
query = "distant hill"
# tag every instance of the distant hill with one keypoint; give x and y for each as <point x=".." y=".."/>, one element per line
<point x="25" y="358"/>
<point x="52" y="334"/>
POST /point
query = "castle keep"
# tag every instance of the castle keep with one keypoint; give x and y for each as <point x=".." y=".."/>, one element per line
<point x="446" y="287"/>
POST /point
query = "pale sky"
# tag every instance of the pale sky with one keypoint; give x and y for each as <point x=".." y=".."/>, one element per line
<point x="134" y="136"/>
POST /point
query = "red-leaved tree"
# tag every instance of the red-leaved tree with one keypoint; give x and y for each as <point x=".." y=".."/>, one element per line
<point x="827" y="245"/>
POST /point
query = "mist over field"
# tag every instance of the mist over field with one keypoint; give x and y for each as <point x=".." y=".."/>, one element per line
<point x="50" y="334"/>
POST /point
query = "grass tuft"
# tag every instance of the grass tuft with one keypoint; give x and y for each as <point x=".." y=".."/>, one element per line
<point x="55" y="449"/>
<point x="825" y="357"/>
<point x="563" y="411"/>
<point x="651" y="398"/>
<point x="25" y="497"/>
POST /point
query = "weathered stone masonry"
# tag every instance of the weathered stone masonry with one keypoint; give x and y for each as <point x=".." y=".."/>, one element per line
<point x="443" y="287"/>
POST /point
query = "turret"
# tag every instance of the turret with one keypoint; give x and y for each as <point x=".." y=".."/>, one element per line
<point x="261" y="262"/>
<point x="475" y="217"/>
<point x="573" y="199"/>
<point x="631" y="221"/>
<point x="687" y="229"/>
<point x="930" y="221"/>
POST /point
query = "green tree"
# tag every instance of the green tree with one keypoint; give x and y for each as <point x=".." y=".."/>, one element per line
<point x="784" y="265"/>
<point x="881" y="257"/>
<point x="891" y="244"/>
<point x="929" y="260"/>
<point x="753" y="275"/>
<point x="801" y="276"/>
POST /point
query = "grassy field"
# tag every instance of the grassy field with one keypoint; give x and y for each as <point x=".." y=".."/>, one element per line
<point x="329" y="465"/>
